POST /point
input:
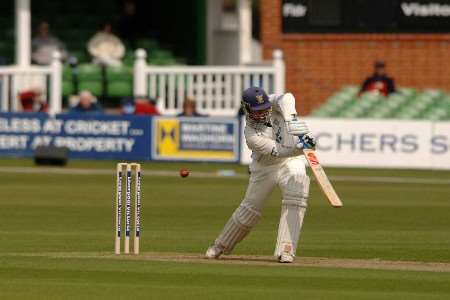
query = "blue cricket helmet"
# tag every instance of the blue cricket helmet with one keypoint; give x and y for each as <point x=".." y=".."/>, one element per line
<point x="255" y="99"/>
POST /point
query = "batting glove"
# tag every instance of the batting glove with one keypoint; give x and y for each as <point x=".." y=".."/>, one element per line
<point x="307" y="141"/>
<point x="297" y="127"/>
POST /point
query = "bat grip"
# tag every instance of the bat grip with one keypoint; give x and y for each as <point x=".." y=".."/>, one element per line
<point x="305" y="146"/>
<point x="302" y="142"/>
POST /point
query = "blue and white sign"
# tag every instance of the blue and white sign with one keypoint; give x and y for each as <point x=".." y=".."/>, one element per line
<point x="378" y="143"/>
<point x="382" y="143"/>
<point x="196" y="139"/>
<point x="86" y="136"/>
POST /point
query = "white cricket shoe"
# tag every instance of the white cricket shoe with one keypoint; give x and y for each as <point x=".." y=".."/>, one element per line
<point x="214" y="251"/>
<point x="286" y="257"/>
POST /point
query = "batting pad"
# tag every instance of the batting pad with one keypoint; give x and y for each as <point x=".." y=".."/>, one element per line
<point x="239" y="225"/>
<point x="293" y="209"/>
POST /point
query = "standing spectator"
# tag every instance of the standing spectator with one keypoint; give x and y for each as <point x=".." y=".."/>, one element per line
<point x="189" y="109"/>
<point x="139" y="106"/>
<point x="379" y="81"/>
<point x="44" y="44"/>
<point x="32" y="101"/>
<point x="86" y="104"/>
<point x="106" y="48"/>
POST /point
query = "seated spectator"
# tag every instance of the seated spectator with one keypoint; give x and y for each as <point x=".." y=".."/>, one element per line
<point x="44" y="44"/>
<point x="32" y="101"/>
<point x="106" y="48"/>
<point x="189" y="109"/>
<point x="86" y="104"/>
<point x="379" y="81"/>
<point x="139" y="106"/>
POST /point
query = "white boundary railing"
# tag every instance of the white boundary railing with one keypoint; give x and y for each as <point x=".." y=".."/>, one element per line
<point x="14" y="79"/>
<point x="217" y="90"/>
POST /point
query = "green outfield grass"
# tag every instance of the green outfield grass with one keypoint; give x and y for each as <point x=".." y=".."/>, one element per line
<point x="43" y="278"/>
<point x="58" y="213"/>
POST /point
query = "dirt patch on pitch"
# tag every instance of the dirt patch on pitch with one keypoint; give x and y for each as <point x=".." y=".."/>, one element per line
<point x="323" y="262"/>
<point x="316" y="262"/>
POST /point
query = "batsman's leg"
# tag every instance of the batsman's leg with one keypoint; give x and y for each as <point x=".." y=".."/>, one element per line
<point x="247" y="214"/>
<point x="294" y="184"/>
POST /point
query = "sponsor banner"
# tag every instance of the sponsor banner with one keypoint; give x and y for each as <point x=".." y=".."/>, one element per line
<point x="440" y="149"/>
<point x="86" y="136"/>
<point x="379" y="143"/>
<point x="372" y="143"/>
<point x="196" y="139"/>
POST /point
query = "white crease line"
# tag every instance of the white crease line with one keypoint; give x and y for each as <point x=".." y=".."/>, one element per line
<point x="388" y="179"/>
<point x="174" y="173"/>
<point x="79" y="171"/>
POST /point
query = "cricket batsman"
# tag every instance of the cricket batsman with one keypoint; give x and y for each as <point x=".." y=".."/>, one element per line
<point x="276" y="147"/>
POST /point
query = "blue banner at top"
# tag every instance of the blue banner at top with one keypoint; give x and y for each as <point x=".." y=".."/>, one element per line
<point x="86" y="136"/>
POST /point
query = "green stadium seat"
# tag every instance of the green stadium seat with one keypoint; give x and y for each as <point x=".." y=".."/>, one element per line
<point x="95" y="87"/>
<point x="119" y="73"/>
<point x="338" y="103"/>
<point x="128" y="59"/>
<point x="408" y="92"/>
<point x="407" y="103"/>
<point x="120" y="81"/>
<point x="433" y="93"/>
<point x="67" y="73"/>
<point x="444" y="102"/>
<point x="323" y="112"/>
<point x="163" y="61"/>
<point x="161" y="57"/>
<point x="351" y="91"/>
<point x="319" y="114"/>
<point x="89" y="72"/>
<point x="67" y="88"/>
<point x="119" y="89"/>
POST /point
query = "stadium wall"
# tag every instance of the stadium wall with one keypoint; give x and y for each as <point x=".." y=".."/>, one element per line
<point x="319" y="64"/>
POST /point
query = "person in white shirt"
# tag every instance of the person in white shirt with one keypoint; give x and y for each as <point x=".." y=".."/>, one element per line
<point x="106" y="48"/>
<point x="44" y="44"/>
<point x="276" y="160"/>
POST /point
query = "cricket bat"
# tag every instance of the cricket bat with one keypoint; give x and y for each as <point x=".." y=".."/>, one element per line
<point x="322" y="178"/>
<point x="288" y="112"/>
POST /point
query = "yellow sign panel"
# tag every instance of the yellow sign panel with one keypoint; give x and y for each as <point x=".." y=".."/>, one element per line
<point x="168" y="131"/>
<point x="168" y="136"/>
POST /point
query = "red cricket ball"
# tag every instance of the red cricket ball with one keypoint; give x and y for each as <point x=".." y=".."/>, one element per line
<point x="184" y="173"/>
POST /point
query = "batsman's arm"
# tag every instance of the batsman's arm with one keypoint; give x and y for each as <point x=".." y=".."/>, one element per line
<point x="266" y="146"/>
<point x="276" y="99"/>
<point x="285" y="105"/>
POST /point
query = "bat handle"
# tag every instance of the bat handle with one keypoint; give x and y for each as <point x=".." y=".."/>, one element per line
<point x="302" y="142"/>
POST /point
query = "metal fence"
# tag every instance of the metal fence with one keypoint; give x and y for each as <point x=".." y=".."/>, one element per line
<point x="216" y="89"/>
<point x="14" y="79"/>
